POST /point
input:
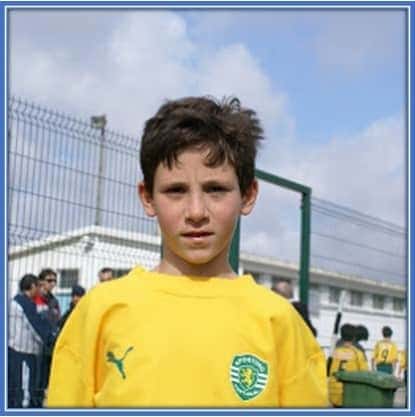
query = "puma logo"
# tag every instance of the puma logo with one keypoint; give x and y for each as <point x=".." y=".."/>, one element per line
<point x="119" y="363"/>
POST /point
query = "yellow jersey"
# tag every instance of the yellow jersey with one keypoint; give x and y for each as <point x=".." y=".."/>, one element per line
<point x="345" y="358"/>
<point x="385" y="351"/>
<point x="156" y="340"/>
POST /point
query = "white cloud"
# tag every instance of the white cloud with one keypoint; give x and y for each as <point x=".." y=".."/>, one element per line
<point x="343" y="40"/>
<point x="233" y="70"/>
<point x="352" y="40"/>
<point x="143" y="57"/>
<point x="365" y="171"/>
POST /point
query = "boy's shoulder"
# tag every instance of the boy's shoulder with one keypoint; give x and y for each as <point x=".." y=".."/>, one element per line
<point x="255" y="297"/>
<point x="347" y="352"/>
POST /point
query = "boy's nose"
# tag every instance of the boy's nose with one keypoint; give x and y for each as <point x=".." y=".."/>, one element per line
<point x="196" y="209"/>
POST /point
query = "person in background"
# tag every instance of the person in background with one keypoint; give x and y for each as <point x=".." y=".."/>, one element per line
<point x="49" y="277"/>
<point x="105" y="274"/>
<point x="361" y="334"/>
<point x="28" y="333"/>
<point x="77" y="293"/>
<point x="385" y="353"/>
<point x="40" y="297"/>
<point x="350" y="328"/>
<point x="346" y="357"/>
<point x="284" y="288"/>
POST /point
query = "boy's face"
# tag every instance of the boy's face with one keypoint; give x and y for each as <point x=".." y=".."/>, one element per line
<point x="33" y="291"/>
<point x="197" y="208"/>
<point x="41" y="284"/>
<point x="50" y="282"/>
<point x="105" y="276"/>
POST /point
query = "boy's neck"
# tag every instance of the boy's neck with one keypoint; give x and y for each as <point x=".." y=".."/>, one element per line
<point x="183" y="268"/>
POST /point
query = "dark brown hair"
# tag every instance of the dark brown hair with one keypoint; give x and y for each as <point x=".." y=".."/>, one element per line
<point x="45" y="272"/>
<point x="229" y="132"/>
<point x="387" y="331"/>
<point x="27" y="281"/>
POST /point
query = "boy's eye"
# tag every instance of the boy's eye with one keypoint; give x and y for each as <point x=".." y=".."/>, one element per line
<point x="216" y="189"/>
<point x="175" y="190"/>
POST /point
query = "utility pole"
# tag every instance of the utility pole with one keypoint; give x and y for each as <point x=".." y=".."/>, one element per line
<point x="99" y="122"/>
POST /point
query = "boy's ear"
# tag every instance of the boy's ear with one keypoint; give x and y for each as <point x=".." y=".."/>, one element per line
<point x="249" y="199"/>
<point x="146" y="199"/>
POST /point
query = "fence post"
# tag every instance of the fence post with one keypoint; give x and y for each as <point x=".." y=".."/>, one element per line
<point x="305" y="245"/>
<point x="99" y="122"/>
<point x="234" y="250"/>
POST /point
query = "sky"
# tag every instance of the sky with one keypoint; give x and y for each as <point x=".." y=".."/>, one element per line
<point x="329" y="86"/>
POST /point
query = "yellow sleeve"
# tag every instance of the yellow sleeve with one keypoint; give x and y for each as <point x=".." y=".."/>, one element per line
<point x="302" y="364"/>
<point x="71" y="381"/>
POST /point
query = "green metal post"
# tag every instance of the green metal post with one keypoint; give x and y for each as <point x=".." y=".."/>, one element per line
<point x="305" y="245"/>
<point x="234" y="249"/>
<point x="305" y="225"/>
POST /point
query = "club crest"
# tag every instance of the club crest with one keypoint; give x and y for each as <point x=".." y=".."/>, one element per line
<point x="249" y="375"/>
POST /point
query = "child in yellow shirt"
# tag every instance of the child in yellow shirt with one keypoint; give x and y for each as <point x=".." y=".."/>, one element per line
<point x="190" y="333"/>
<point x="385" y="353"/>
<point x="346" y="357"/>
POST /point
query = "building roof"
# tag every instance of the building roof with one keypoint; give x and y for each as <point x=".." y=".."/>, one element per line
<point x="250" y="262"/>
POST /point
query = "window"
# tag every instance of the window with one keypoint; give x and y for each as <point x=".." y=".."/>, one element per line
<point x="68" y="277"/>
<point x="314" y="300"/>
<point x="378" y="301"/>
<point x="334" y="295"/>
<point x="356" y="298"/>
<point x="398" y="304"/>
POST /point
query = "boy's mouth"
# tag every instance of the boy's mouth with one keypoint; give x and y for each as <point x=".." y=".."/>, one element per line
<point x="195" y="235"/>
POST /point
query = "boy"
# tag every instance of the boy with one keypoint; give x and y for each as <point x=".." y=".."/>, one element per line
<point x="346" y="357"/>
<point x="190" y="333"/>
<point x="385" y="353"/>
<point x="361" y="334"/>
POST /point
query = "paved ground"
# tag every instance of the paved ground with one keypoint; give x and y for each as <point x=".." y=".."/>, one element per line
<point x="399" y="400"/>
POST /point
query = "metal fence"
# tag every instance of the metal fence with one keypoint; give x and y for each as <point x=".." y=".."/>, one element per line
<point x="73" y="206"/>
<point x="354" y="243"/>
<point x="72" y="192"/>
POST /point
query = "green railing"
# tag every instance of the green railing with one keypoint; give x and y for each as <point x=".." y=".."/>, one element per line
<point x="305" y="229"/>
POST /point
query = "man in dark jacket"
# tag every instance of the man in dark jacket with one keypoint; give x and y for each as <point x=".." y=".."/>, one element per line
<point x="50" y="278"/>
<point x="51" y="311"/>
<point x="28" y="334"/>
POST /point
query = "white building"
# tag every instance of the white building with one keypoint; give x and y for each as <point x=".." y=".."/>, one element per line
<point x="79" y="255"/>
